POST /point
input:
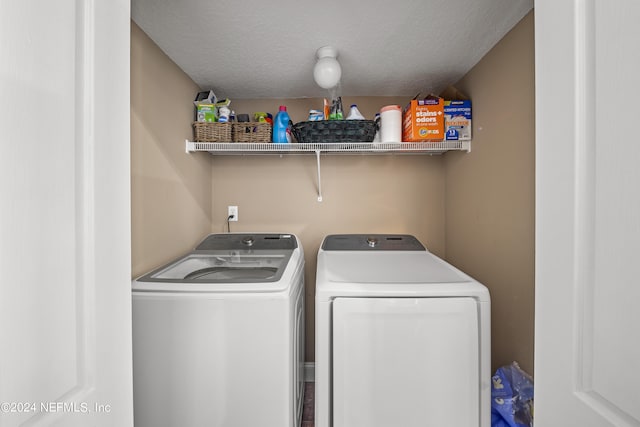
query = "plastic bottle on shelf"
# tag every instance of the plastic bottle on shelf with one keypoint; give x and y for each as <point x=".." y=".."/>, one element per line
<point x="224" y="114"/>
<point x="354" y="113"/>
<point x="336" y="112"/>
<point x="281" y="128"/>
<point x="391" y="123"/>
<point x="376" y="119"/>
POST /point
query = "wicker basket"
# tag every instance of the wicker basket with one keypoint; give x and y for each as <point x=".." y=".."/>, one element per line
<point x="252" y="132"/>
<point x="212" y="132"/>
<point x="335" y="131"/>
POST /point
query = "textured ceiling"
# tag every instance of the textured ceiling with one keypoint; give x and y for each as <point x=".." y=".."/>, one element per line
<point x="257" y="49"/>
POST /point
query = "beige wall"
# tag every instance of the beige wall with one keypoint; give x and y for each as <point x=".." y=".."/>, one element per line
<point x="170" y="190"/>
<point x="490" y="192"/>
<point x="474" y="209"/>
<point x="361" y="193"/>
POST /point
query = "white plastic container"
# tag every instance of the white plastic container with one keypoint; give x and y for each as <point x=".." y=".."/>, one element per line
<point x="224" y="112"/>
<point x="391" y="123"/>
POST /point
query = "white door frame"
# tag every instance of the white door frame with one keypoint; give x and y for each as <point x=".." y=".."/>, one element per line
<point x="65" y="300"/>
<point x="586" y="242"/>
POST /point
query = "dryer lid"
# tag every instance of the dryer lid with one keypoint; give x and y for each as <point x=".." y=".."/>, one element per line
<point x="401" y="267"/>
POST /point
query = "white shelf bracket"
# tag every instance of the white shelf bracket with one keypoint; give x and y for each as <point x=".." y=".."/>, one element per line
<point x="319" y="177"/>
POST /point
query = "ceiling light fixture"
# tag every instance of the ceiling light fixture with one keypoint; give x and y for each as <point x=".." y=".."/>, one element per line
<point x="327" y="71"/>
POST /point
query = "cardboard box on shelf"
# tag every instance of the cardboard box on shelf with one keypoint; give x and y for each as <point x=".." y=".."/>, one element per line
<point x="206" y="108"/>
<point x="457" y="115"/>
<point x="206" y="113"/>
<point x="457" y="120"/>
<point x="424" y="120"/>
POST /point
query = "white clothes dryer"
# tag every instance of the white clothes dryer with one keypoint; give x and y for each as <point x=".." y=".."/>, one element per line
<point x="402" y="337"/>
<point x="218" y="335"/>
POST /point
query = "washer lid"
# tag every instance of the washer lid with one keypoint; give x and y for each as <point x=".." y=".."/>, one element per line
<point x="223" y="267"/>
<point x="395" y="267"/>
<point x="230" y="258"/>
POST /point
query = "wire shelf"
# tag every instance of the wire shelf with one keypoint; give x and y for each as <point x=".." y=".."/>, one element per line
<point x="328" y="147"/>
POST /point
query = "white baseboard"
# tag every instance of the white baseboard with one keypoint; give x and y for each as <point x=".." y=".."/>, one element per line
<point x="309" y="372"/>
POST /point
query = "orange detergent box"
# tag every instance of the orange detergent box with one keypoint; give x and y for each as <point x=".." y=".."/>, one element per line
<point x="424" y="120"/>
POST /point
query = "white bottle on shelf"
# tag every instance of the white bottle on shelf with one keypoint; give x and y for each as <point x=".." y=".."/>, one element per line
<point x="391" y="123"/>
<point x="354" y="114"/>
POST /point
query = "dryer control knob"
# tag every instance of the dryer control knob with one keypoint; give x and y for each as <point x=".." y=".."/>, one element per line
<point x="249" y="240"/>
<point x="372" y="241"/>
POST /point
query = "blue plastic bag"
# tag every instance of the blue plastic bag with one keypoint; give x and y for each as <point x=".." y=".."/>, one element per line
<point x="511" y="397"/>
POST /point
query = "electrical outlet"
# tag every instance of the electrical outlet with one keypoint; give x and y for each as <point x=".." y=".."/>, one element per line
<point x="232" y="213"/>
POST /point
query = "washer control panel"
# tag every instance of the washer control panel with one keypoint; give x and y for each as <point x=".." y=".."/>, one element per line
<point x="372" y="242"/>
<point x="255" y="241"/>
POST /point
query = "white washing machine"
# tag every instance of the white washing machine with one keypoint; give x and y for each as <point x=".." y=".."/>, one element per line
<point x="218" y="335"/>
<point x="402" y="337"/>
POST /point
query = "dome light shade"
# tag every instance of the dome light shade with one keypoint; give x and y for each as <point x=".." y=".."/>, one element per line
<point x="327" y="71"/>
